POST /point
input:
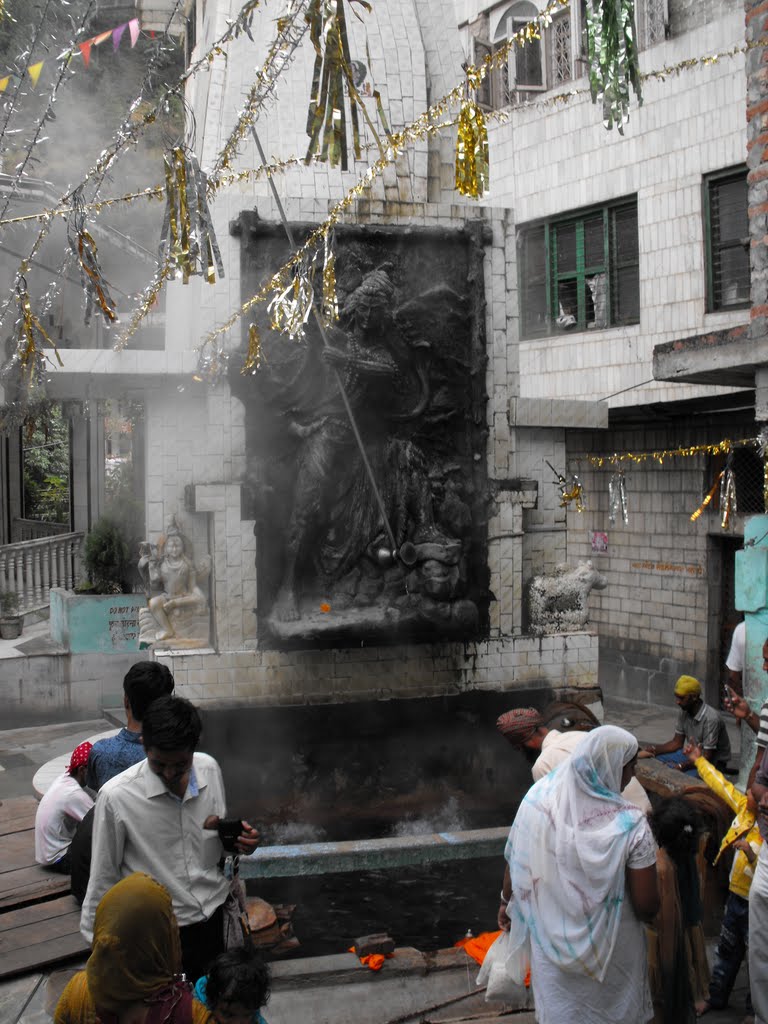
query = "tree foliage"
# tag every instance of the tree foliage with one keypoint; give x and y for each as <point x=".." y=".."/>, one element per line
<point x="46" y="468"/>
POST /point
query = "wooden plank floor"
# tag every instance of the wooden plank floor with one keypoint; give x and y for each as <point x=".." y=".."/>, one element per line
<point x="39" y="917"/>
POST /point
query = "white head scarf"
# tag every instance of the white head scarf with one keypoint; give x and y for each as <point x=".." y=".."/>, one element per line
<point x="567" y="853"/>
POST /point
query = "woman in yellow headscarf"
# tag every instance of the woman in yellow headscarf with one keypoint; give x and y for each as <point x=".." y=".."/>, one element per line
<point x="133" y="975"/>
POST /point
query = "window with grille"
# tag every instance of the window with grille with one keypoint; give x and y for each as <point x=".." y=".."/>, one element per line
<point x="580" y="272"/>
<point x="560" y="49"/>
<point x="652" y="18"/>
<point x="727" y="240"/>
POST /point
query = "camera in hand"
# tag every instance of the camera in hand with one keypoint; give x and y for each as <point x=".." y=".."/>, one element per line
<point x="229" y="830"/>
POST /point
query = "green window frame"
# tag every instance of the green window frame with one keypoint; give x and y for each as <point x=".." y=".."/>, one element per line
<point x="726" y="230"/>
<point x="580" y="271"/>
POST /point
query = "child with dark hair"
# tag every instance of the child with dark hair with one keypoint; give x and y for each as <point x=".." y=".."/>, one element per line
<point x="678" y="969"/>
<point x="235" y="988"/>
<point x="144" y="682"/>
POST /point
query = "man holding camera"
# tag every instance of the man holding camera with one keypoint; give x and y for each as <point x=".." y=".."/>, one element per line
<point x="161" y="817"/>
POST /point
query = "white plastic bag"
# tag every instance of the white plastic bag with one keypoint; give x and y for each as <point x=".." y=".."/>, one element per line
<point x="504" y="971"/>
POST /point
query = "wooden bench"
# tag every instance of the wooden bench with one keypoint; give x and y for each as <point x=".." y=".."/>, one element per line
<point x="39" y="917"/>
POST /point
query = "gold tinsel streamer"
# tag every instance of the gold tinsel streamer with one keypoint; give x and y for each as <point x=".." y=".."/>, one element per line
<point x="187" y="236"/>
<point x="93" y="281"/>
<point x="330" y="303"/>
<point x="83" y="246"/>
<point x="30" y="329"/>
<point x="253" y="358"/>
<point x="472" y="174"/>
<point x="707" y="501"/>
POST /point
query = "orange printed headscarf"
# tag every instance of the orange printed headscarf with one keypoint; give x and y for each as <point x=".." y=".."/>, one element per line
<point x="136" y="948"/>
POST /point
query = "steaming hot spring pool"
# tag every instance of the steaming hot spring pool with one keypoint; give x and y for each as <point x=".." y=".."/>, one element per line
<point x="379" y="768"/>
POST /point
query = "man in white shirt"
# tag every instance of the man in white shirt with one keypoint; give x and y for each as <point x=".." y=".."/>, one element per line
<point x="65" y="803"/>
<point x="160" y="816"/>
<point x="735" y="660"/>
<point x="524" y="728"/>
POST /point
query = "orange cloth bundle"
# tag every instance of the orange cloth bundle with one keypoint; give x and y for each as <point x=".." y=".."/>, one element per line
<point x="478" y="945"/>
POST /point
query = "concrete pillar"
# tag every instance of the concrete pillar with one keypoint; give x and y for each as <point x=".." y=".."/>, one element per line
<point x="756" y="15"/>
<point x="505" y="558"/>
<point x="761" y="394"/>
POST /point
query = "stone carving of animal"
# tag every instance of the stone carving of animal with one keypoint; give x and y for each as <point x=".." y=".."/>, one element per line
<point x="558" y="600"/>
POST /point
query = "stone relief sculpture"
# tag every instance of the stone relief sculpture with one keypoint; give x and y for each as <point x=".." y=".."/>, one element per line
<point x="403" y="362"/>
<point x="558" y="600"/>
<point x="177" y="612"/>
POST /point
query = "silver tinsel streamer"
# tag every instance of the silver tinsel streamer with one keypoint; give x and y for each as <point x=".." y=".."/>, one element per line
<point x="617" y="498"/>
<point x="728" y="507"/>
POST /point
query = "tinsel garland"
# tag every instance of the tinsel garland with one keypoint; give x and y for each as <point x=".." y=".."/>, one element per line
<point x="472" y="163"/>
<point x="188" y="237"/>
<point x="611" y="45"/>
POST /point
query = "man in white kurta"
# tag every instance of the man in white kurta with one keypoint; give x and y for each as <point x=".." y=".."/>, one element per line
<point x="525" y="729"/>
<point x="160" y="816"/>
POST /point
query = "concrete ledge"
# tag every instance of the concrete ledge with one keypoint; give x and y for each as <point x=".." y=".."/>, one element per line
<point x="373" y="854"/>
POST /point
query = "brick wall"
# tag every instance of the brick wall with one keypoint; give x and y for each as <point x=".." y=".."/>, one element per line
<point x="659" y="615"/>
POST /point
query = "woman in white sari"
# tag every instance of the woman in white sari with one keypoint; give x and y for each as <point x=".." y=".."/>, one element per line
<point x="580" y="880"/>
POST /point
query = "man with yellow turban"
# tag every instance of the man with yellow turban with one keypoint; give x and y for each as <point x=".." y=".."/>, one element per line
<point x="697" y="723"/>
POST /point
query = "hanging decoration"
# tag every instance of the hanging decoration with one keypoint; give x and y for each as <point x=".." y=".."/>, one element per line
<point x="290" y="308"/>
<point x="23" y="376"/>
<point x="611" y="43"/>
<point x="330" y="303"/>
<point x="331" y="78"/>
<point x="728" y="507"/>
<point x="708" y="499"/>
<point x="617" y="497"/>
<point x="253" y="357"/>
<point x="472" y="174"/>
<point x="34" y="70"/>
<point x="84" y="249"/>
<point x="188" y="237"/>
<point x="572" y="491"/>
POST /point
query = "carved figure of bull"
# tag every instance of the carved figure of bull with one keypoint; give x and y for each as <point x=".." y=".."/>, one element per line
<point x="558" y="600"/>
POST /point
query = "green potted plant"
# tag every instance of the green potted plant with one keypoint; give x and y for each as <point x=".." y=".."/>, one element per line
<point x="10" y="620"/>
<point x="101" y="613"/>
<point x="106" y="558"/>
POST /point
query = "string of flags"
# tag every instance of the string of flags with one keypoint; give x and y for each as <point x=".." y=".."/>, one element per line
<point x="115" y="34"/>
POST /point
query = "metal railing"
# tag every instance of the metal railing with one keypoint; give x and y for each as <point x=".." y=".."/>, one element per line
<point x="32" y="567"/>
<point x="32" y="529"/>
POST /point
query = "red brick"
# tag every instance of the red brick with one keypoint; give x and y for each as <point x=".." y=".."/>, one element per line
<point x="758" y="108"/>
<point x="757" y="11"/>
<point x="757" y="311"/>
<point x="755" y="211"/>
<point x="759" y="174"/>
